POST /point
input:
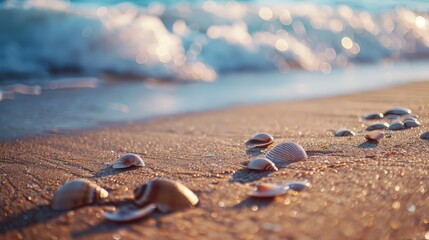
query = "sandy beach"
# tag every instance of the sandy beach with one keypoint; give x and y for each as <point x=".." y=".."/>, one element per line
<point x="359" y="190"/>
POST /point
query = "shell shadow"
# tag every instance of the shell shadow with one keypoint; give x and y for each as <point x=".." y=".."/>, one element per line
<point x="109" y="171"/>
<point x="246" y="175"/>
<point x="249" y="202"/>
<point x="32" y="216"/>
<point x="254" y="152"/>
<point x="368" y="145"/>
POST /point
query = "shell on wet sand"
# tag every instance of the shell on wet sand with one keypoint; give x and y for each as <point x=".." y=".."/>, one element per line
<point x="297" y="185"/>
<point x="372" y="116"/>
<point x="344" y="133"/>
<point x="425" y="135"/>
<point x="125" y="214"/>
<point x="397" y="125"/>
<point x="411" y="123"/>
<point x="128" y="160"/>
<point x="168" y="195"/>
<point x="262" y="164"/>
<point x="77" y="193"/>
<point x="397" y="111"/>
<point x="377" y="126"/>
<point x="287" y="151"/>
<point x="268" y="190"/>
<point x="260" y="140"/>
<point x="374" y="136"/>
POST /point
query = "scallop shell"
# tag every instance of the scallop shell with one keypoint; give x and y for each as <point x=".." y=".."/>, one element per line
<point x="168" y="195"/>
<point x="374" y="136"/>
<point x="77" y="193"/>
<point x="372" y="116"/>
<point x="297" y="185"/>
<point x="128" y="160"/>
<point x="260" y="140"/>
<point x="377" y="126"/>
<point x="287" y="151"/>
<point x="344" y="133"/>
<point x="397" y="125"/>
<point x="411" y="123"/>
<point x="262" y="164"/>
<point x="425" y="135"/>
<point x="267" y="190"/>
<point x="397" y="111"/>
<point x="125" y="215"/>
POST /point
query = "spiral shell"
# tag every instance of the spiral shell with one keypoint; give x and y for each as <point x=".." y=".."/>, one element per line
<point x="128" y="160"/>
<point x="268" y="190"/>
<point x="77" y="193"/>
<point x="262" y="164"/>
<point x="377" y="126"/>
<point x="374" y="136"/>
<point x="411" y="123"/>
<point x="397" y="111"/>
<point x="425" y="135"/>
<point x="125" y="215"/>
<point x="260" y="140"/>
<point x="168" y="195"/>
<point x="397" y="125"/>
<point x="344" y="133"/>
<point x="287" y="151"/>
<point x="373" y="116"/>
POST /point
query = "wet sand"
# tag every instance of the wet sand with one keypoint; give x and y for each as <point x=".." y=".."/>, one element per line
<point x="359" y="190"/>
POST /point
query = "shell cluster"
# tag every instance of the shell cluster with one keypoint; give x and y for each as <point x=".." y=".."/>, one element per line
<point x="128" y="160"/>
<point x="287" y="151"/>
<point x="260" y="140"/>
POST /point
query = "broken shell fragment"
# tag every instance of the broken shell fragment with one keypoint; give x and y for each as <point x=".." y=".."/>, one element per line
<point x="77" y="193"/>
<point x="287" y="151"/>
<point x="374" y="136"/>
<point x="126" y="214"/>
<point x="377" y="126"/>
<point x="128" y="160"/>
<point x="372" y="116"/>
<point x="297" y="185"/>
<point x="168" y="195"/>
<point x="267" y="190"/>
<point x="425" y="135"/>
<point x="411" y="123"/>
<point x="344" y="133"/>
<point x="397" y="125"/>
<point x="260" y="140"/>
<point x="262" y="164"/>
<point x="397" y="111"/>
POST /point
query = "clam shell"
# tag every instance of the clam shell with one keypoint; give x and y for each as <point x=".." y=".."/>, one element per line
<point x="377" y="126"/>
<point x="425" y="135"/>
<point x="391" y="117"/>
<point x="287" y="151"/>
<point x="374" y="136"/>
<point x="260" y="140"/>
<point x="262" y="164"/>
<point x="397" y="125"/>
<point x="411" y="123"/>
<point x="410" y="117"/>
<point x="297" y="185"/>
<point x="372" y="116"/>
<point x="267" y="190"/>
<point x="125" y="215"/>
<point x="397" y="111"/>
<point x="77" y="193"/>
<point x="128" y="160"/>
<point x="168" y="195"/>
<point x="344" y="133"/>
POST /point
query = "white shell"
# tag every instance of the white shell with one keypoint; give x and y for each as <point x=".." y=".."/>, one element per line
<point x="374" y="136"/>
<point x="397" y="125"/>
<point x="260" y="140"/>
<point x="128" y="160"/>
<point x="267" y="190"/>
<point x="77" y="193"/>
<point x="397" y="111"/>
<point x="377" y="126"/>
<point x="168" y="195"/>
<point x="425" y="135"/>
<point x="287" y="151"/>
<point x="297" y="185"/>
<point x="262" y="164"/>
<point x="372" y="116"/>
<point x="125" y="215"/>
<point x="410" y="117"/>
<point x="344" y="133"/>
<point x="411" y="123"/>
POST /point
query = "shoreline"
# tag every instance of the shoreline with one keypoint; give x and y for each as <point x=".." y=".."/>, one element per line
<point x="359" y="190"/>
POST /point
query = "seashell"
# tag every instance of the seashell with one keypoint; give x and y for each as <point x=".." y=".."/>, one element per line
<point x="344" y="133"/>
<point x="128" y="160"/>
<point x="260" y="140"/>
<point x="397" y="125"/>
<point x="266" y="190"/>
<point x="425" y="135"/>
<point x="297" y="185"/>
<point x="126" y="214"/>
<point x="397" y="111"/>
<point x="410" y="117"/>
<point x="411" y="123"/>
<point x="391" y="117"/>
<point x="287" y="151"/>
<point x="372" y="116"/>
<point x="168" y="195"/>
<point x="377" y="126"/>
<point x="374" y="136"/>
<point x="77" y="193"/>
<point x="263" y="164"/>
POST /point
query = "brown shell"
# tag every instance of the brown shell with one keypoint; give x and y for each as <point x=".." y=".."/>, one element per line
<point x="397" y="111"/>
<point x="287" y="151"/>
<point x="373" y="116"/>
<point x="377" y="126"/>
<point x="77" y="193"/>
<point x="397" y="125"/>
<point x="128" y="160"/>
<point x="262" y="164"/>
<point x="268" y="190"/>
<point x="344" y="133"/>
<point x="425" y="135"/>
<point x="168" y="195"/>
<point x="374" y="136"/>
<point x="260" y="140"/>
<point x="125" y="215"/>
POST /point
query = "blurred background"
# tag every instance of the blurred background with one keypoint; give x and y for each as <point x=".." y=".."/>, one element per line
<point x="83" y="64"/>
